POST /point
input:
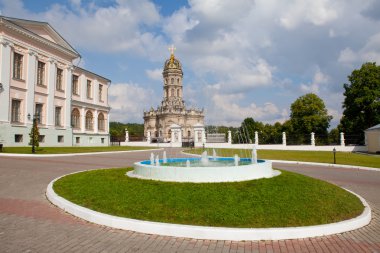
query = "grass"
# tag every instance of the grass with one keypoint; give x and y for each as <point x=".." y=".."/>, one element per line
<point x="287" y="200"/>
<point x="68" y="150"/>
<point x="304" y="156"/>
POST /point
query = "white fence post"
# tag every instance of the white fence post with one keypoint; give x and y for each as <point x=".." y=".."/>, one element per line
<point x="312" y="139"/>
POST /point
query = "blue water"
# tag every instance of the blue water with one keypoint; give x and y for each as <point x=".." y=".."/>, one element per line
<point x="196" y="162"/>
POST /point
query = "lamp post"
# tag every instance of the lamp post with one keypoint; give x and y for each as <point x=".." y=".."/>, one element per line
<point x="35" y="119"/>
<point x="334" y="152"/>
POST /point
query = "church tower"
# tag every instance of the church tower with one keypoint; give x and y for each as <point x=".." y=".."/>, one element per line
<point x="173" y="88"/>
<point x="172" y="114"/>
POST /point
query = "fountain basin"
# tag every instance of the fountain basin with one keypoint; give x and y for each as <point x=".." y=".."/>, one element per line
<point x="216" y="170"/>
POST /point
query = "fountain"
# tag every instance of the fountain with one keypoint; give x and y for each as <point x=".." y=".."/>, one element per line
<point x="214" y="154"/>
<point x="152" y="158"/>
<point x="204" y="169"/>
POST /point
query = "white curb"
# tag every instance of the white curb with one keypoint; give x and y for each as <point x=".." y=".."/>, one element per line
<point x="75" y="154"/>
<point x="210" y="233"/>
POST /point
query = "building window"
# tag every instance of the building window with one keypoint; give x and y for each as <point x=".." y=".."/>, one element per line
<point x="178" y="93"/>
<point x="60" y="138"/>
<point x="172" y="93"/>
<point x="177" y="80"/>
<point x="172" y="81"/>
<point x="16" y="111"/>
<point x="102" y="140"/>
<point x="41" y="138"/>
<point x="101" y="122"/>
<point x="59" y="79"/>
<point x="100" y="93"/>
<point x="17" y="66"/>
<point x="58" y="116"/>
<point x="41" y="73"/>
<point x="89" y="121"/>
<point x="89" y="95"/>
<point x="75" y="118"/>
<point x="18" y="138"/>
<point x="75" y="85"/>
<point x="77" y="140"/>
<point x="38" y="112"/>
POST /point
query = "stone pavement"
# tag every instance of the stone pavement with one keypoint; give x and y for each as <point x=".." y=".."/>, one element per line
<point x="29" y="223"/>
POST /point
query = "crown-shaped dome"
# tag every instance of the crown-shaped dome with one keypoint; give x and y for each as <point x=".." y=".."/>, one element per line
<point x="172" y="63"/>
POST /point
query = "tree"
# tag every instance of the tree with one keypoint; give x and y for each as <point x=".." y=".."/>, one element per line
<point x="362" y="101"/>
<point x="309" y="114"/>
<point x="34" y="136"/>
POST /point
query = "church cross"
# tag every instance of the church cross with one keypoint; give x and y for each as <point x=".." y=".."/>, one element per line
<point x="171" y="49"/>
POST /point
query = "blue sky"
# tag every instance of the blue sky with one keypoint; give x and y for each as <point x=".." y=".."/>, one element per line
<point x="241" y="58"/>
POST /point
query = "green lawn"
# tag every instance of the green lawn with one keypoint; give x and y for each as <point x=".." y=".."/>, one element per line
<point x="305" y="156"/>
<point x="67" y="150"/>
<point x="287" y="200"/>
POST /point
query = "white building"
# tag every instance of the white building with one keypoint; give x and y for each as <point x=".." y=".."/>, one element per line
<point x="38" y="78"/>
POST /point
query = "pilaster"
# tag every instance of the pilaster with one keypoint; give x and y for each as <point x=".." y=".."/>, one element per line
<point x="30" y="84"/>
<point x="5" y="74"/>
<point x="52" y="68"/>
<point x="83" y="119"/>
<point x="68" y="92"/>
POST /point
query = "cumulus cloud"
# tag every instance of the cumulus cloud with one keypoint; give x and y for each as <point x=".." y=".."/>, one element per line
<point x="129" y="100"/>
<point x="154" y="74"/>
<point x="318" y="81"/>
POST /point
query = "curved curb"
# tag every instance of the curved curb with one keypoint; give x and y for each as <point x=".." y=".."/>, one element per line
<point x="75" y="154"/>
<point x="209" y="233"/>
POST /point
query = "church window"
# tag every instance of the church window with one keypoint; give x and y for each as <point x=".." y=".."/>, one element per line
<point x="172" y="93"/>
<point x="178" y="93"/>
<point x="172" y="81"/>
<point x="177" y="80"/>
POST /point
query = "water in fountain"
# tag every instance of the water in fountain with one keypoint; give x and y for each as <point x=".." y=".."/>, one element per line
<point x="151" y="158"/>
<point x="254" y="155"/>
<point x="187" y="163"/>
<point x="213" y="154"/>
<point x="236" y="160"/>
<point x="157" y="161"/>
<point x="164" y="159"/>
<point x="204" y="159"/>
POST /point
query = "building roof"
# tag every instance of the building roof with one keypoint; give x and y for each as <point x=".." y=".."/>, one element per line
<point x="377" y="127"/>
<point x="40" y="30"/>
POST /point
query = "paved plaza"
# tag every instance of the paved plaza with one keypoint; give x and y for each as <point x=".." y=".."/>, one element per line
<point x="29" y="223"/>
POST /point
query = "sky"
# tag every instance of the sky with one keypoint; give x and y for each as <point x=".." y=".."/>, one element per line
<point x="241" y="58"/>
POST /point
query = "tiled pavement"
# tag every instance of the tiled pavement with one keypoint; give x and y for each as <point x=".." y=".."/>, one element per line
<point x="29" y="223"/>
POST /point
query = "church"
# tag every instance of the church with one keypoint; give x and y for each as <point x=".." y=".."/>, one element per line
<point x="172" y="121"/>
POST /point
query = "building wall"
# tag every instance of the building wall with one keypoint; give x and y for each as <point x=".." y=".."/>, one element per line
<point x="56" y="100"/>
<point x="373" y="141"/>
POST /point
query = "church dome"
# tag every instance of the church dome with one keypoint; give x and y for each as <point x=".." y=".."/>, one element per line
<point x="172" y="63"/>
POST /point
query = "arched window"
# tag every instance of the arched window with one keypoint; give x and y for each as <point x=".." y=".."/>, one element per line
<point x="172" y="93"/>
<point x="89" y="121"/>
<point x="101" y="122"/>
<point x="188" y="133"/>
<point x="177" y="80"/>
<point x="75" y="118"/>
<point x="178" y="93"/>
<point x="172" y="81"/>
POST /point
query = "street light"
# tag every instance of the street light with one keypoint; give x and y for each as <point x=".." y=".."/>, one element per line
<point x="35" y="119"/>
<point x="334" y="151"/>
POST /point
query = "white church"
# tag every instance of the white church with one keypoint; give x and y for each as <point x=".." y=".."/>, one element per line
<point x="39" y="80"/>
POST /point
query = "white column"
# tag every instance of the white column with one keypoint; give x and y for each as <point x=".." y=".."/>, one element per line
<point x="5" y="74"/>
<point x="30" y="84"/>
<point x="179" y="136"/>
<point x="82" y="81"/>
<point x="83" y="119"/>
<point x="283" y="138"/>
<point x="229" y="137"/>
<point x="126" y="135"/>
<point x="68" y="92"/>
<point x="256" y="138"/>
<point x="195" y="136"/>
<point x="96" y="121"/>
<point x="95" y="91"/>
<point x="342" y="140"/>
<point x="312" y="139"/>
<point x="203" y="136"/>
<point x="52" y="69"/>
<point x="148" y="137"/>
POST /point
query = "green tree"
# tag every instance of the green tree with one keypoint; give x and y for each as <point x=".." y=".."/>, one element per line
<point x="362" y="101"/>
<point x="309" y="114"/>
<point x="34" y="136"/>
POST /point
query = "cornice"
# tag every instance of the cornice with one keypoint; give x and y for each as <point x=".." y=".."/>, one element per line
<point x="90" y="105"/>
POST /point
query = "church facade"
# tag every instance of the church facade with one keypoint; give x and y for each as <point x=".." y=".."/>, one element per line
<point x="172" y="115"/>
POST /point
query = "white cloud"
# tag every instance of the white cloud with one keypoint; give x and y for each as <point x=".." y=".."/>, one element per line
<point x="319" y="80"/>
<point x="129" y="100"/>
<point x="154" y="74"/>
